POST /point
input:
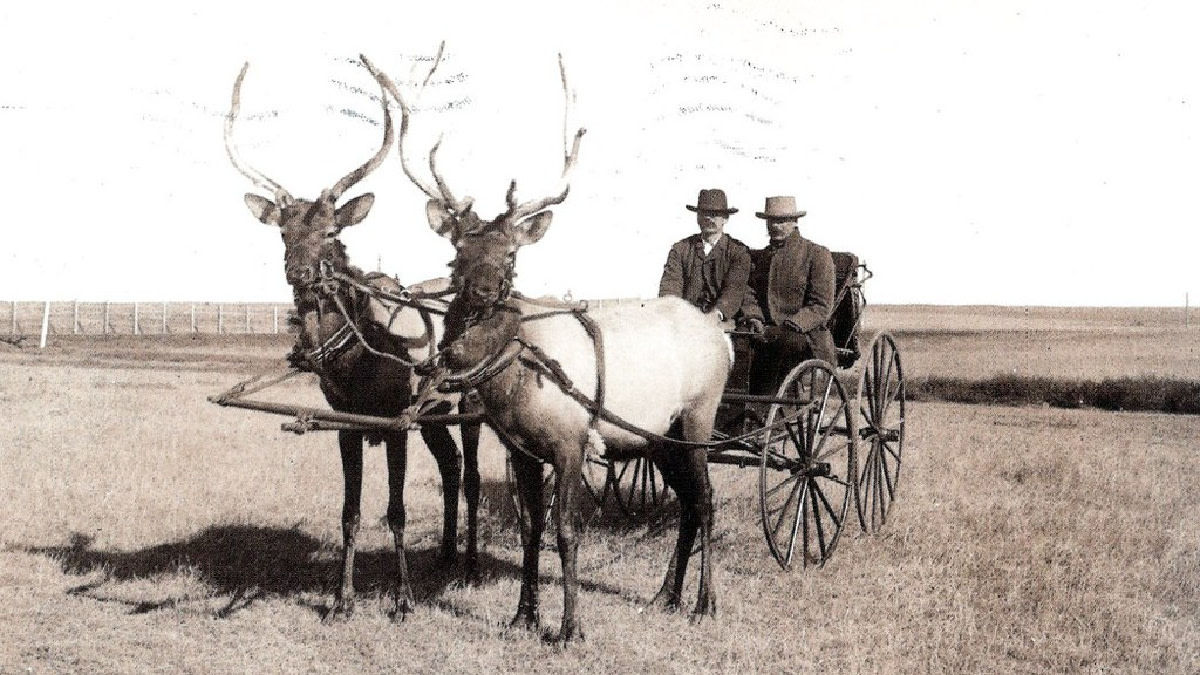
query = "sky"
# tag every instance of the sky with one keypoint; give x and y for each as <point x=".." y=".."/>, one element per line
<point x="1001" y="153"/>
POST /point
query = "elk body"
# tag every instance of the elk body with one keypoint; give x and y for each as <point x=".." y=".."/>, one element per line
<point x="657" y="367"/>
<point x="364" y="351"/>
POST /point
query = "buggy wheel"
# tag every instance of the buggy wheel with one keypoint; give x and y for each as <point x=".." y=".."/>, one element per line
<point x="806" y="470"/>
<point x="548" y="497"/>
<point x="636" y="486"/>
<point x="881" y="396"/>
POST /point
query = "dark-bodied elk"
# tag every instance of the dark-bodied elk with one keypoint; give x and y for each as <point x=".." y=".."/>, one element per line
<point x="364" y="350"/>
<point x="557" y="385"/>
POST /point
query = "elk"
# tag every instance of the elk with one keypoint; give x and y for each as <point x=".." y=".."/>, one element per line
<point x="557" y="383"/>
<point x="364" y="351"/>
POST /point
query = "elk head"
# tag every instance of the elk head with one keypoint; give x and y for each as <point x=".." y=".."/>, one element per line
<point x="485" y="250"/>
<point x="309" y="228"/>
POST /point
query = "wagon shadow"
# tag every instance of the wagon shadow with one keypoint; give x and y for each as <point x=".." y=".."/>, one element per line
<point x="242" y="564"/>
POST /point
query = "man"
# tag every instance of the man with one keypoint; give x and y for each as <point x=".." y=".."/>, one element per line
<point x="790" y="298"/>
<point x="709" y="269"/>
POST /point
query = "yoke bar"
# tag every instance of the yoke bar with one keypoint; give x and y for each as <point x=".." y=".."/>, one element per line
<point x="343" y="420"/>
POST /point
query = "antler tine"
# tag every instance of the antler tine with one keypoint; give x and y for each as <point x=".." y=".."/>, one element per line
<point x="257" y="177"/>
<point x="570" y="155"/>
<point x="350" y="179"/>
<point x="439" y="193"/>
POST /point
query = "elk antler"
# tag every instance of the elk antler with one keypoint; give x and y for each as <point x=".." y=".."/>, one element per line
<point x="570" y="154"/>
<point x="350" y="179"/>
<point x="441" y="193"/>
<point x="257" y="177"/>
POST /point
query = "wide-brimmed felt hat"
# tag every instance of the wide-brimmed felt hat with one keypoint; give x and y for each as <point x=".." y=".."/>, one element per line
<point x="780" y="208"/>
<point x="712" y="201"/>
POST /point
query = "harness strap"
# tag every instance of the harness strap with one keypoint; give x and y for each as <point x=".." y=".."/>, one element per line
<point x="337" y="300"/>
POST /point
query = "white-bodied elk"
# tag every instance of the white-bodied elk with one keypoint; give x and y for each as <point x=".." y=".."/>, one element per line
<point x="558" y="384"/>
<point x="364" y="350"/>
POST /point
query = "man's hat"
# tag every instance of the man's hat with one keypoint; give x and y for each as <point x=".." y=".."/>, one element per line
<point x="712" y="201"/>
<point x="780" y="208"/>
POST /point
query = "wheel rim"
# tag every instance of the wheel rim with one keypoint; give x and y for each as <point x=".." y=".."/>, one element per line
<point x="636" y="486"/>
<point x="881" y="396"/>
<point x="806" y="467"/>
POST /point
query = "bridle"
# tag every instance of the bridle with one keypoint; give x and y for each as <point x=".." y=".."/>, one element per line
<point x="348" y="295"/>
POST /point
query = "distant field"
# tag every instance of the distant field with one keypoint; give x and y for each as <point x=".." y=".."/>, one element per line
<point x="1071" y="343"/>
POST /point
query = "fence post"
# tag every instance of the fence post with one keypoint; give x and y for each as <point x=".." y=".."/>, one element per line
<point x="220" y="319"/>
<point x="275" y="318"/>
<point x="45" y="324"/>
<point x="247" y="318"/>
<point x="14" y="318"/>
<point x="107" y="323"/>
<point x="75" y="321"/>
<point x="137" y="328"/>
<point x="193" y="317"/>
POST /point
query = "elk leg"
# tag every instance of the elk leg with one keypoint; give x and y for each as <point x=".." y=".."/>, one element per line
<point x="397" y="460"/>
<point x="470" y="443"/>
<point x="706" y="597"/>
<point x="566" y="516"/>
<point x="528" y="472"/>
<point x="449" y="461"/>
<point x="670" y="593"/>
<point x="351" y="445"/>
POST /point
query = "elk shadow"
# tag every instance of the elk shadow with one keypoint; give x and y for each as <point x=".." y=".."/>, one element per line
<point x="241" y="564"/>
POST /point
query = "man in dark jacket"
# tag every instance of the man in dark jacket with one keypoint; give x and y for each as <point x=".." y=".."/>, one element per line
<point x="709" y="269"/>
<point x="790" y="300"/>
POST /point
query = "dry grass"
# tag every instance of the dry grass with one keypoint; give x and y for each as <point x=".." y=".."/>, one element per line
<point x="146" y="530"/>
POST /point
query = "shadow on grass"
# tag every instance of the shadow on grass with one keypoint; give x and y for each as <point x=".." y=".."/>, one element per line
<point x="241" y="564"/>
<point x="245" y="563"/>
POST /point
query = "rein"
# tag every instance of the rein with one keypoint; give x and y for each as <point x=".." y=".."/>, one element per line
<point x="341" y="339"/>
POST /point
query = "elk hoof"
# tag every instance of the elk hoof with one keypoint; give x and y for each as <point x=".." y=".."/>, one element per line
<point x="569" y="633"/>
<point x="342" y="610"/>
<point x="526" y="620"/>
<point x="666" y="601"/>
<point x="705" y="607"/>
<point x="401" y="608"/>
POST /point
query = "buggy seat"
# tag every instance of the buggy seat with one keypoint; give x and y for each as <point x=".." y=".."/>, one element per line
<point x="847" y="309"/>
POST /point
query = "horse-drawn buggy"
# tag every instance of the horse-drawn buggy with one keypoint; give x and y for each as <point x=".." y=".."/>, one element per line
<point x="828" y="444"/>
<point x="829" y="440"/>
<point x="642" y="391"/>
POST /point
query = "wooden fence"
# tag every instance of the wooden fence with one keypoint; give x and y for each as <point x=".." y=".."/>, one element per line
<point x="142" y="318"/>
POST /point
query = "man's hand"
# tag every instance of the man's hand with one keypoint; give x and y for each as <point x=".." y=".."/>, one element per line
<point x="753" y="325"/>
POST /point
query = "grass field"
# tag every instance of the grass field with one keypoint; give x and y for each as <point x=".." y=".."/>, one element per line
<point x="144" y="529"/>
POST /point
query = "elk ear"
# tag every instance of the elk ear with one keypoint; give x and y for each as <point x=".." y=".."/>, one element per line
<point x="263" y="209"/>
<point x="440" y="220"/>
<point x="531" y="229"/>
<point x="353" y="211"/>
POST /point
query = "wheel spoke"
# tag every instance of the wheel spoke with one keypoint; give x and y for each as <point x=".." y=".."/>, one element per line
<point x="797" y="488"/>
<point x="818" y="526"/>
